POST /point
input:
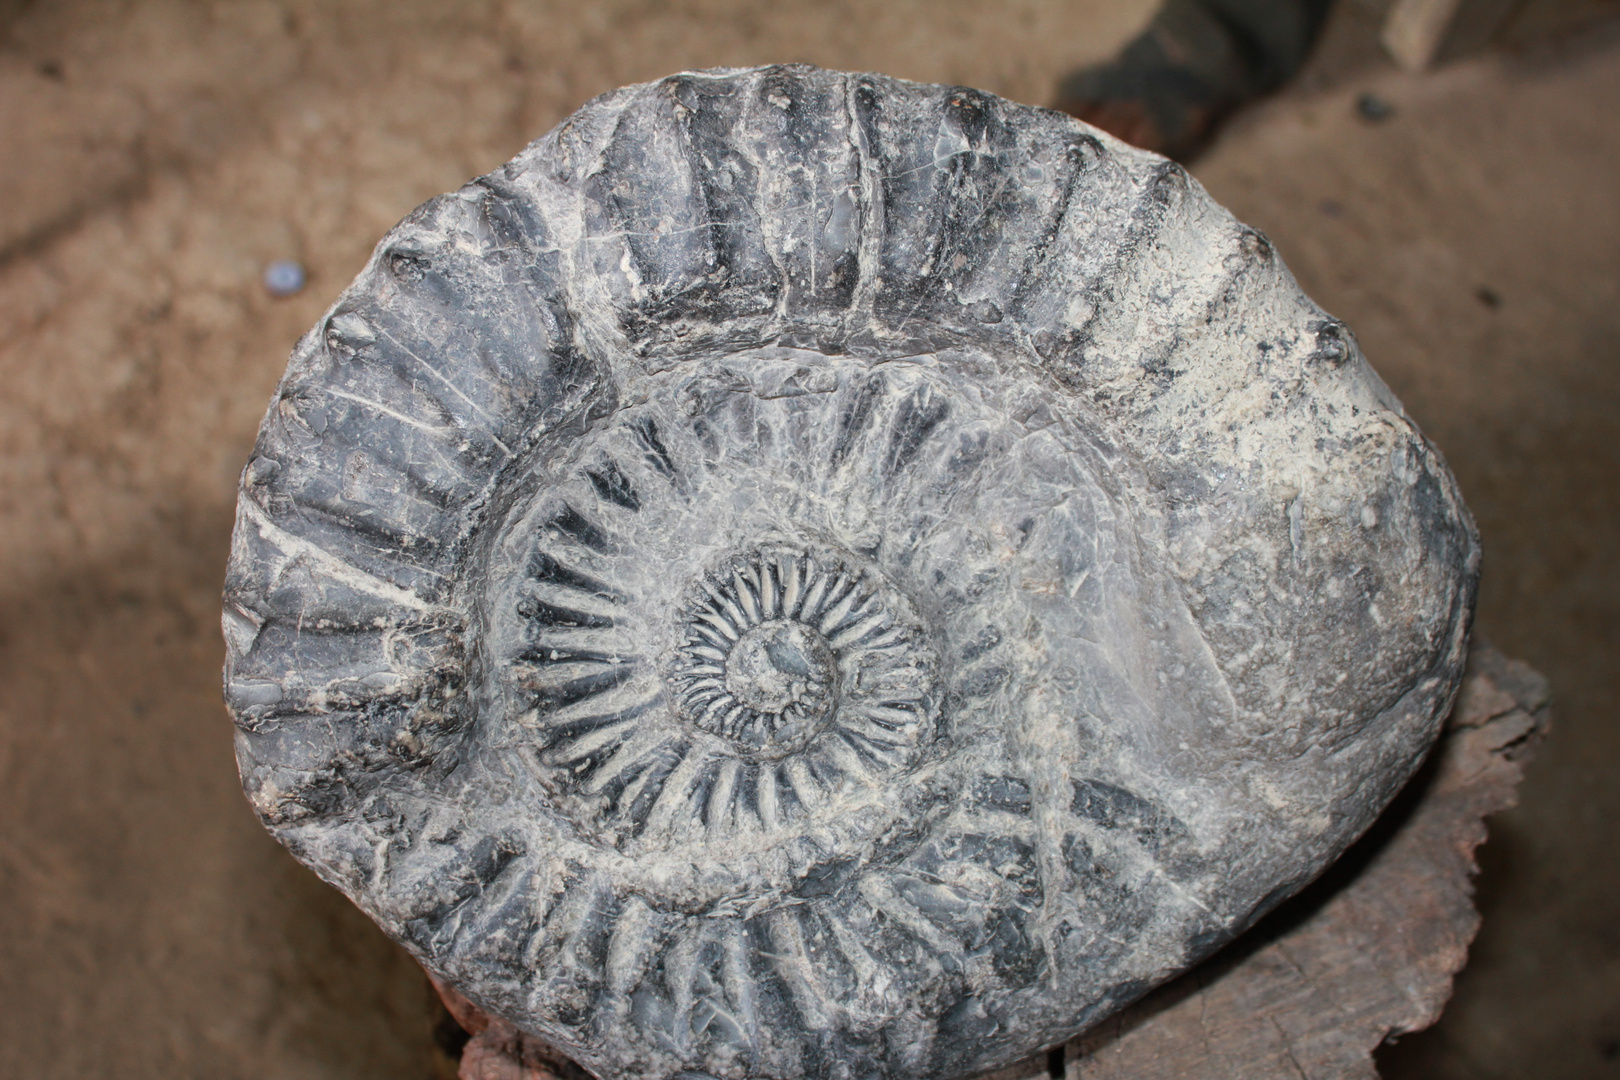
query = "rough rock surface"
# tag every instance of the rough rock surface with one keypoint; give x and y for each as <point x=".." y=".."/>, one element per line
<point x="1366" y="953"/>
<point x="803" y="574"/>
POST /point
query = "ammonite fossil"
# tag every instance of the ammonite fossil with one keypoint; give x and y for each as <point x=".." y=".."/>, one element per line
<point x="809" y="575"/>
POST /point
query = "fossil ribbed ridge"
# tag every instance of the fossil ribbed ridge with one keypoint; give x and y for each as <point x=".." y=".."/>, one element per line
<point x="809" y="575"/>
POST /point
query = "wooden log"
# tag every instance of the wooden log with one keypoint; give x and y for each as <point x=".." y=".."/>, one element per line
<point x="1365" y="953"/>
<point x="1418" y="32"/>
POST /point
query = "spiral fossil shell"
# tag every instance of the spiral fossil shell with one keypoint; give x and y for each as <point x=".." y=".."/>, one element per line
<point x="809" y="575"/>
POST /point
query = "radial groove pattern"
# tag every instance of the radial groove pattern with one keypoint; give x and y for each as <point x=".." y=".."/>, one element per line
<point x="804" y="575"/>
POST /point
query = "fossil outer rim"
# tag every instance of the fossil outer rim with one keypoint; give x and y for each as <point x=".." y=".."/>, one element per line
<point x="1160" y="595"/>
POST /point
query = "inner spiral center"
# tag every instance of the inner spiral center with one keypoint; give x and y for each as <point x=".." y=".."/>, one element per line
<point x="779" y="664"/>
<point x="774" y="648"/>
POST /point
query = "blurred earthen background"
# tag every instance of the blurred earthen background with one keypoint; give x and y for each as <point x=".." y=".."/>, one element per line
<point x="154" y="156"/>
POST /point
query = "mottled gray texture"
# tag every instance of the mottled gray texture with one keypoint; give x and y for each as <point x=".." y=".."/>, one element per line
<point x="809" y="575"/>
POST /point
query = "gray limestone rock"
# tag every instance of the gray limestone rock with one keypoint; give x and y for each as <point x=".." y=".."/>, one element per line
<point x="810" y="575"/>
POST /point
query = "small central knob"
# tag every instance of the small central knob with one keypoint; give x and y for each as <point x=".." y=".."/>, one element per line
<point x="779" y="664"/>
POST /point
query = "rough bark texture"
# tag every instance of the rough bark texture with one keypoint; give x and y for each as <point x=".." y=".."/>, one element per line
<point x="1366" y="953"/>
<point x="810" y="575"/>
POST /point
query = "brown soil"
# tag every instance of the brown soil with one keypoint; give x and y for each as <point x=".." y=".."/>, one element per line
<point x="157" y="155"/>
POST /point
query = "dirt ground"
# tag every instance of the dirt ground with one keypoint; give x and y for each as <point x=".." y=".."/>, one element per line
<point x="154" y="156"/>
